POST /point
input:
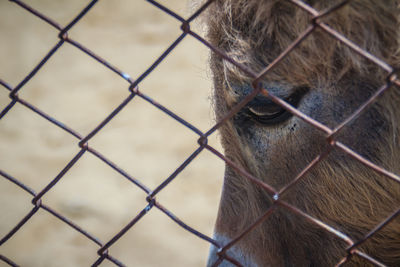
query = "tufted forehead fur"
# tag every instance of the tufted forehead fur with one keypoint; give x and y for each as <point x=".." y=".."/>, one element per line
<point x="340" y="191"/>
<point x="255" y="32"/>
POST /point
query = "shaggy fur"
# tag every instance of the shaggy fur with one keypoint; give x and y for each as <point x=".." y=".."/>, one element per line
<point x="340" y="191"/>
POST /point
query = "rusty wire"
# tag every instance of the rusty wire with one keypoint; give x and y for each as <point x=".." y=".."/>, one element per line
<point x="82" y="141"/>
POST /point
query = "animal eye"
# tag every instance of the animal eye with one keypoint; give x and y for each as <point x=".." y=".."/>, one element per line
<point x="268" y="114"/>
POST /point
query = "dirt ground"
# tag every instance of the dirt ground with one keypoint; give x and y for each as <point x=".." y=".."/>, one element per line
<point x="145" y="142"/>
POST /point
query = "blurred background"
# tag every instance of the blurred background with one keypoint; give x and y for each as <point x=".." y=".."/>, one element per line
<point x="149" y="145"/>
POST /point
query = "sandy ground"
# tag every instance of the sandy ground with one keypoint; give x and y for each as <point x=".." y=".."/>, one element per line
<point x="142" y="140"/>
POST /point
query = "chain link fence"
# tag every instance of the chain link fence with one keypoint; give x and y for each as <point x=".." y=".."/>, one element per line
<point x="103" y="247"/>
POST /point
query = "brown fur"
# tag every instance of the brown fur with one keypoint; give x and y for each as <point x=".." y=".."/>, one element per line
<point x="340" y="191"/>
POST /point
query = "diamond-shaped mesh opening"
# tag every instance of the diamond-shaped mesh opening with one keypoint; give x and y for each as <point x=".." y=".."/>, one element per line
<point x="25" y="39"/>
<point x="184" y="202"/>
<point x="35" y="150"/>
<point x="44" y="235"/>
<point x="106" y="207"/>
<point x="79" y="98"/>
<point x="152" y="249"/>
<point x="127" y="141"/>
<point x="124" y="36"/>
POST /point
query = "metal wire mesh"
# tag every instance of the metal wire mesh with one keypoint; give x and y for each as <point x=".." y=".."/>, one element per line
<point x="83" y="141"/>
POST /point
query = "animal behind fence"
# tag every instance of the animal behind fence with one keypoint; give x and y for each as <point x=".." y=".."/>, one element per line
<point x="306" y="98"/>
<point x="321" y="58"/>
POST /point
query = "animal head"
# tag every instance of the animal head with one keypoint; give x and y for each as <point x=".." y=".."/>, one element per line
<point x="282" y="51"/>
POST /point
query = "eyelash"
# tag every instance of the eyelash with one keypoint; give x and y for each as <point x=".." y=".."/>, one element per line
<point x="278" y="116"/>
<point x="271" y="113"/>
